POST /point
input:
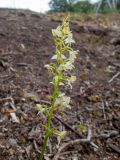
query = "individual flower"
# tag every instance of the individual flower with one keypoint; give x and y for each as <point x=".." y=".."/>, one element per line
<point x="55" y="57"/>
<point x="72" y="55"/>
<point x="57" y="32"/>
<point x="49" y="67"/>
<point x="61" y="84"/>
<point x="41" y="108"/>
<point x="67" y="66"/>
<point x="71" y="80"/>
<point x="69" y="40"/>
<point x="59" y="133"/>
<point x="66" y="101"/>
<point x="63" y="101"/>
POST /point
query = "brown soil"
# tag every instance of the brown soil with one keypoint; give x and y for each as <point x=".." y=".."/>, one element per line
<point x="26" y="45"/>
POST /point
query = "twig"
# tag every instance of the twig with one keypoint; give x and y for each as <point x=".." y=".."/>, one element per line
<point x="73" y="142"/>
<point x="108" y="134"/>
<point x="35" y="145"/>
<point x="115" y="148"/>
<point x="5" y="54"/>
<point x="116" y="101"/>
<point x="22" y="64"/>
<point x="8" y="78"/>
<point x="115" y="76"/>
<point x="94" y="145"/>
<point x="103" y="106"/>
<point x="8" y="99"/>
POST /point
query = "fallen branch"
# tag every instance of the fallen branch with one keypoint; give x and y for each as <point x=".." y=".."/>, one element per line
<point x="114" y="148"/>
<point x="8" y="99"/>
<point x="73" y="142"/>
<point x="115" y="76"/>
<point x="108" y="133"/>
<point x="116" y="101"/>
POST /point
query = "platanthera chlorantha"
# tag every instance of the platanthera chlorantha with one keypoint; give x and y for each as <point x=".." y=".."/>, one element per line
<point x="60" y="68"/>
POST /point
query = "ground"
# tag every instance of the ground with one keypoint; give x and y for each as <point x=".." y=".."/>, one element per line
<point x="26" y="45"/>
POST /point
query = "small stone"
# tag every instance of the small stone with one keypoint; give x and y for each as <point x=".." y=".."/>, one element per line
<point x="12" y="142"/>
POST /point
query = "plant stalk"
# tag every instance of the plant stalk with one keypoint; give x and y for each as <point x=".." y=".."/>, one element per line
<point x="49" y="121"/>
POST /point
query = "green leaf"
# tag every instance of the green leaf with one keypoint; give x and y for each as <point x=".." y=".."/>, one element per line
<point x="83" y="128"/>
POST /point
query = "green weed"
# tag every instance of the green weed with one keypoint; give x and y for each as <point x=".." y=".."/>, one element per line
<point x="62" y="63"/>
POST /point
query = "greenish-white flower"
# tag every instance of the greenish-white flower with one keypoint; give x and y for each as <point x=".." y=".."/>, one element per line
<point x="49" y="67"/>
<point x="72" y="55"/>
<point x="40" y="108"/>
<point x="69" y="40"/>
<point x="55" y="57"/>
<point x="66" y="101"/>
<point x="71" y="80"/>
<point x="67" y="66"/>
<point x="61" y="84"/>
<point x="57" y="32"/>
<point x="63" y="101"/>
<point x="59" y="133"/>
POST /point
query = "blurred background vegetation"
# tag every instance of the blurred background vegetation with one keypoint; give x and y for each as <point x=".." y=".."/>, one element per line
<point x="84" y="6"/>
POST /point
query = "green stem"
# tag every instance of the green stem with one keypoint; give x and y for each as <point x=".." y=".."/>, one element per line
<point x="49" y="121"/>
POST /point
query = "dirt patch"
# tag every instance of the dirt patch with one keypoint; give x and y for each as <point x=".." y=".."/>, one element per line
<point x="26" y="45"/>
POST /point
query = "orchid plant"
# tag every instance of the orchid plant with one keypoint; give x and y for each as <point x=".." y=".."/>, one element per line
<point x="60" y="67"/>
